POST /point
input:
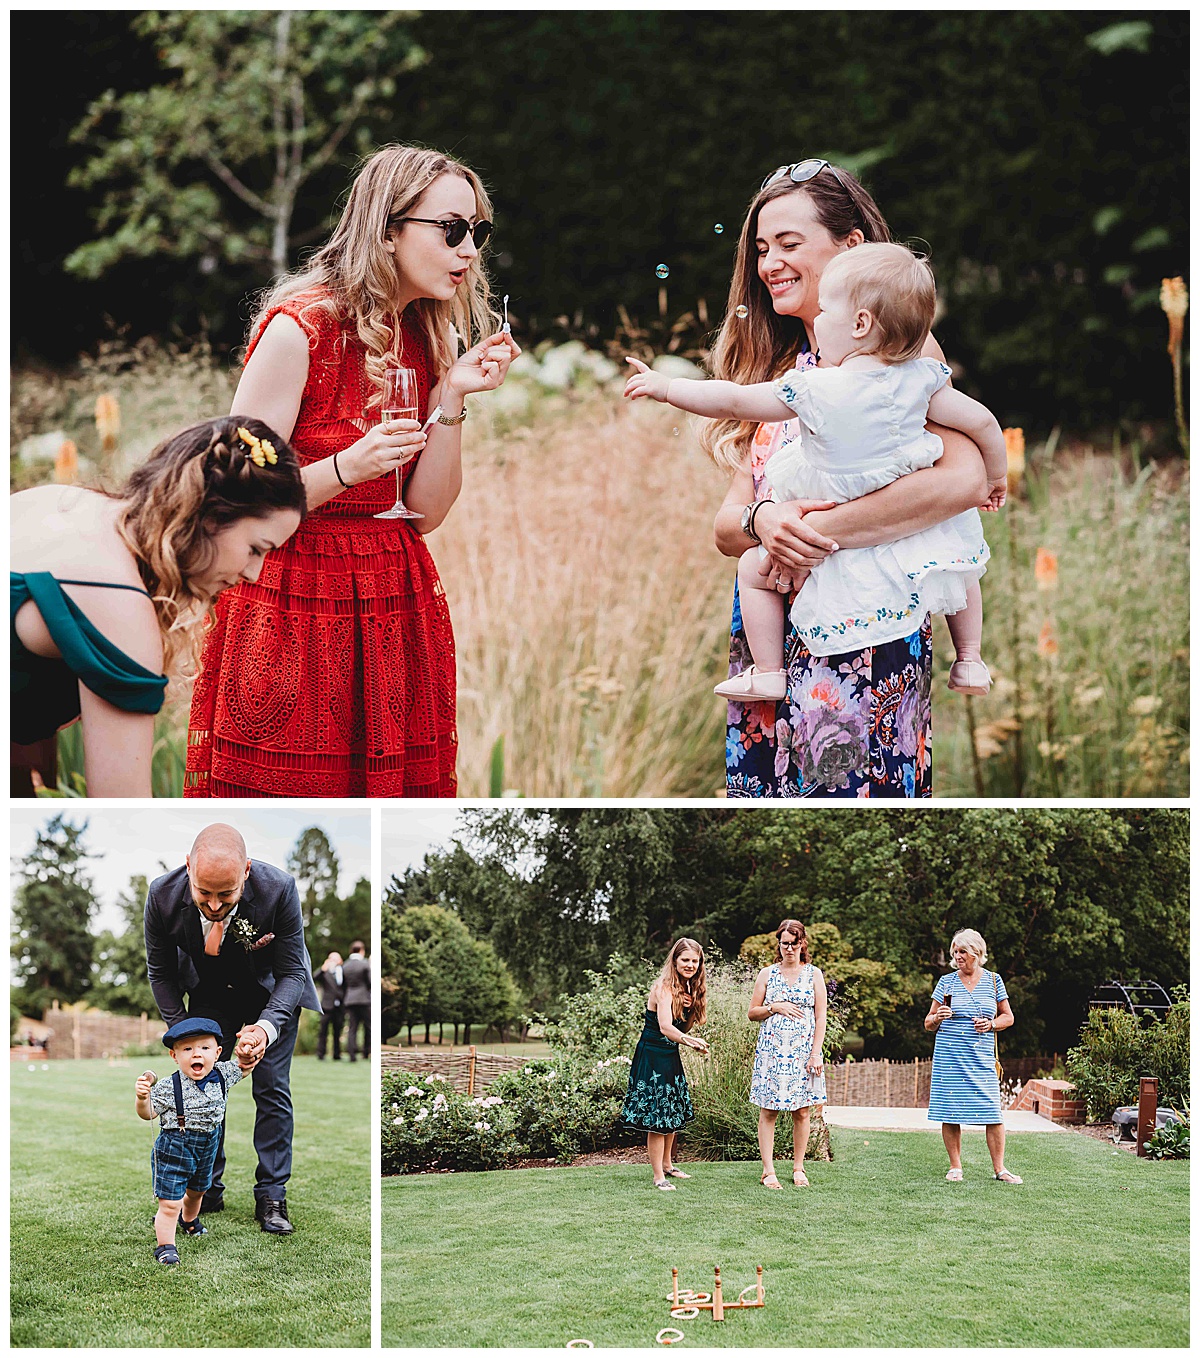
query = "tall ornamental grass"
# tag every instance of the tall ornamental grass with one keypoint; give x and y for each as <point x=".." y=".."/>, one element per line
<point x="591" y="608"/>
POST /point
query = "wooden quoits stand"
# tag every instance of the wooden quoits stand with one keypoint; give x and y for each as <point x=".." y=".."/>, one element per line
<point x="695" y="1302"/>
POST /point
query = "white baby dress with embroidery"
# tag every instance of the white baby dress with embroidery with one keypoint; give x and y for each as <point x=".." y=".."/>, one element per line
<point x="862" y="428"/>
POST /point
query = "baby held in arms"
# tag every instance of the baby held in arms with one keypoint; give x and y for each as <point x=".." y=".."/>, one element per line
<point x="863" y="418"/>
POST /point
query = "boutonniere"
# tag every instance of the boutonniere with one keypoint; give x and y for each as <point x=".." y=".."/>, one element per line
<point x="243" y="931"/>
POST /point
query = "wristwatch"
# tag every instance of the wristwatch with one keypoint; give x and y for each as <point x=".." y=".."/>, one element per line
<point x="747" y="513"/>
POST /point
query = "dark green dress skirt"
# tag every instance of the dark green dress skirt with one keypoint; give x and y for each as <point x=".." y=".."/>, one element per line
<point x="658" y="1098"/>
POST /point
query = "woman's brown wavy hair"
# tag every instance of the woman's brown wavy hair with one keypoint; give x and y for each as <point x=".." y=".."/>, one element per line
<point x="762" y="345"/>
<point x="670" y="980"/>
<point x="190" y="487"/>
<point x="360" y="274"/>
<point x="792" y="926"/>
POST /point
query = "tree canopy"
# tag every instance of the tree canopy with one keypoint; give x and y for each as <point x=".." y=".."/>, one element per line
<point x="1065" y="898"/>
<point x="1042" y="155"/>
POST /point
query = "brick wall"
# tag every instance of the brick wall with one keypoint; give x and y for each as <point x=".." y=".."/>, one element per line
<point x="1053" y="1099"/>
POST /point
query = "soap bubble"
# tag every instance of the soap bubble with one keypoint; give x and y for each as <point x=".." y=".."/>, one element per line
<point x="718" y="228"/>
<point x="675" y="432"/>
<point x="662" y="271"/>
<point x="741" y="312"/>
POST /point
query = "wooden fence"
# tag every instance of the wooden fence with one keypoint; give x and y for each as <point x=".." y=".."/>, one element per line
<point x="82" y="1035"/>
<point x="860" y="1084"/>
<point x="468" y="1071"/>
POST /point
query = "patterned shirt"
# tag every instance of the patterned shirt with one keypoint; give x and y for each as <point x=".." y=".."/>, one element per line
<point x="203" y="1103"/>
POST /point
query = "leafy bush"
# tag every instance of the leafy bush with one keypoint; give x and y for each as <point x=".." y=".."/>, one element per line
<point x="604" y="1020"/>
<point x="1172" y="1142"/>
<point x="568" y="1105"/>
<point x="1116" y="1049"/>
<point x="429" y="1125"/>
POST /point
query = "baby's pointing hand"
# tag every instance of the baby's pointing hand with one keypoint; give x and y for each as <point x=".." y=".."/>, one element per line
<point x="644" y="382"/>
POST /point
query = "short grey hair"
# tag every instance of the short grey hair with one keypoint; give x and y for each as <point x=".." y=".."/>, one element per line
<point x="973" y="939"/>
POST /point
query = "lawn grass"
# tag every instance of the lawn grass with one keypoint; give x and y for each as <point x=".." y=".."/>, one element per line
<point x="82" y="1272"/>
<point x="1091" y="1251"/>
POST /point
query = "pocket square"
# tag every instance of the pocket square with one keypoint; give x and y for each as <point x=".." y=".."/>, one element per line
<point x="261" y="942"/>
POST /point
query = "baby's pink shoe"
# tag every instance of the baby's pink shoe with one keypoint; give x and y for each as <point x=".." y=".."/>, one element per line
<point x="755" y="686"/>
<point x="970" y="677"/>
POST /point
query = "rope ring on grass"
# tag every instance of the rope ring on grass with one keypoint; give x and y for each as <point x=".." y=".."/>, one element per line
<point x="664" y="1336"/>
<point x="580" y="1344"/>
<point x="685" y="1313"/>
<point x="750" y="1287"/>
<point x="686" y="1297"/>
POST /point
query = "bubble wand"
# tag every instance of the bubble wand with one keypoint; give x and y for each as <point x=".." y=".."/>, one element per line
<point x="506" y="329"/>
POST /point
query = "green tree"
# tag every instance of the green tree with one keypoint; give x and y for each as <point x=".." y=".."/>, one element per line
<point x="52" y="909"/>
<point x="405" y="977"/>
<point x="346" y="918"/>
<point x="119" y="980"/>
<point x="212" y="161"/>
<point x="456" y="978"/>
<point x="314" y="864"/>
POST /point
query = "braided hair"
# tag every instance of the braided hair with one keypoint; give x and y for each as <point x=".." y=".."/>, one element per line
<point x="191" y="486"/>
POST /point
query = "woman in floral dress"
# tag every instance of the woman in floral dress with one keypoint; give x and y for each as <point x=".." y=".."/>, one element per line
<point x="790" y="1002"/>
<point x="857" y="724"/>
<point x="657" y="1101"/>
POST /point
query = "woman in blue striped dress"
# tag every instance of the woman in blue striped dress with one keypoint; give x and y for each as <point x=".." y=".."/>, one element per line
<point x="969" y="1007"/>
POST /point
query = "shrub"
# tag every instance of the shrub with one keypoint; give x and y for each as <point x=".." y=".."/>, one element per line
<point x="429" y="1125"/>
<point x="1116" y="1049"/>
<point x="568" y="1105"/>
<point x="605" y="1019"/>
<point x="1172" y="1142"/>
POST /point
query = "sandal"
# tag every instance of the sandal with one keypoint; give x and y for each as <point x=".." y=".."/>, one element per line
<point x="194" y="1227"/>
<point x="800" y="1179"/>
<point x="675" y="1173"/>
<point x="770" y="1181"/>
<point x="954" y="1176"/>
<point x="664" y="1185"/>
<point x="1008" y="1177"/>
<point x="166" y="1254"/>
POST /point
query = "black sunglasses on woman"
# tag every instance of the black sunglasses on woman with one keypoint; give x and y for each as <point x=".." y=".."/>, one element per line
<point x="456" y="228"/>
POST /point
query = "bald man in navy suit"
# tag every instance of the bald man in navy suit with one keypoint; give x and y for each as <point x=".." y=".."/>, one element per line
<point x="226" y="932"/>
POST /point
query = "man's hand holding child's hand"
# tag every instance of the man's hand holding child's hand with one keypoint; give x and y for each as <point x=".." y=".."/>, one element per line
<point x="250" y="1047"/>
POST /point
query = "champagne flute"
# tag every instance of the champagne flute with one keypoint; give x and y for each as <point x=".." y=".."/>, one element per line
<point x="400" y="403"/>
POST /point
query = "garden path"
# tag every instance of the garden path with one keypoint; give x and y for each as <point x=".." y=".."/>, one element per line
<point x="916" y="1120"/>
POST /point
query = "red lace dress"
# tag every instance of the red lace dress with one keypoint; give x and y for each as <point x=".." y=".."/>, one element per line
<point x="333" y="674"/>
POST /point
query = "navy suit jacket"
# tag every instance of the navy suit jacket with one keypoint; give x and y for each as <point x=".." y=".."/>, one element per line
<point x="174" y="940"/>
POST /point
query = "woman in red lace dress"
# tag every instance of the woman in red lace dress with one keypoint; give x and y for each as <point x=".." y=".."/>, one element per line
<point x="332" y="675"/>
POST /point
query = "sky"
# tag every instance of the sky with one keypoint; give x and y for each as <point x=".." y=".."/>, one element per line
<point x="409" y="833"/>
<point x="156" y="839"/>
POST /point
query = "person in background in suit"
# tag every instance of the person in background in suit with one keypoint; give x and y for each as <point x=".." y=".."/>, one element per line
<point x="357" y="1000"/>
<point x="332" y="985"/>
<point x="226" y="932"/>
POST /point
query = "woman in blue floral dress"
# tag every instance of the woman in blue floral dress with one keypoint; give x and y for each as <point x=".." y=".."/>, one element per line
<point x="790" y="1002"/>
<point x="857" y="724"/>
<point x="657" y="1101"/>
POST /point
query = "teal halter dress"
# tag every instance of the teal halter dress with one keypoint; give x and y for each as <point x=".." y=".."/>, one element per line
<point x="45" y="691"/>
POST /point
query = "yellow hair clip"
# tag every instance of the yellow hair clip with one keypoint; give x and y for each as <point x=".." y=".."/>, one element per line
<point x="261" y="450"/>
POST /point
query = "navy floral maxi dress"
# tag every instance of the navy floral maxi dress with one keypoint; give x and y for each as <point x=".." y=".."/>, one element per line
<point x="852" y="725"/>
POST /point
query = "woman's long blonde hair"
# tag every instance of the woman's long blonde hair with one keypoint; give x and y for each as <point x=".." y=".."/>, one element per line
<point x="759" y="345"/>
<point x="190" y="487"/>
<point x="670" y="981"/>
<point x="360" y="274"/>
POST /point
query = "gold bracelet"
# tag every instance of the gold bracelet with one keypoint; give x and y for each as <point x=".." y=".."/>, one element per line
<point x="453" y="419"/>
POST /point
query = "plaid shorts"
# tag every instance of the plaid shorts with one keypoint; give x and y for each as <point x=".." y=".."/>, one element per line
<point x="183" y="1160"/>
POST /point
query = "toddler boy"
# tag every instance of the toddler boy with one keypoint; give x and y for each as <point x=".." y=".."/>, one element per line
<point x="190" y="1106"/>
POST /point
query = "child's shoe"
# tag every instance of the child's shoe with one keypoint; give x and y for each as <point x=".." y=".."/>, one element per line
<point x="755" y="686"/>
<point x="970" y="677"/>
<point x="196" y="1227"/>
<point x="166" y="1254"/>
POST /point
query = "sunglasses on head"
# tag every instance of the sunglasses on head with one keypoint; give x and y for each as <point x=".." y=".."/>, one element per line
<point x="800" y="173"/>
<point x="456" y="228"/>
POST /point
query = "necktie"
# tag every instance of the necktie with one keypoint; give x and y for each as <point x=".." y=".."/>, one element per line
<point x="212" y="944"/>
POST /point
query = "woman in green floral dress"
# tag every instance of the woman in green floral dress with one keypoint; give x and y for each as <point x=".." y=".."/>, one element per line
<point x="658" y="1101"/>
